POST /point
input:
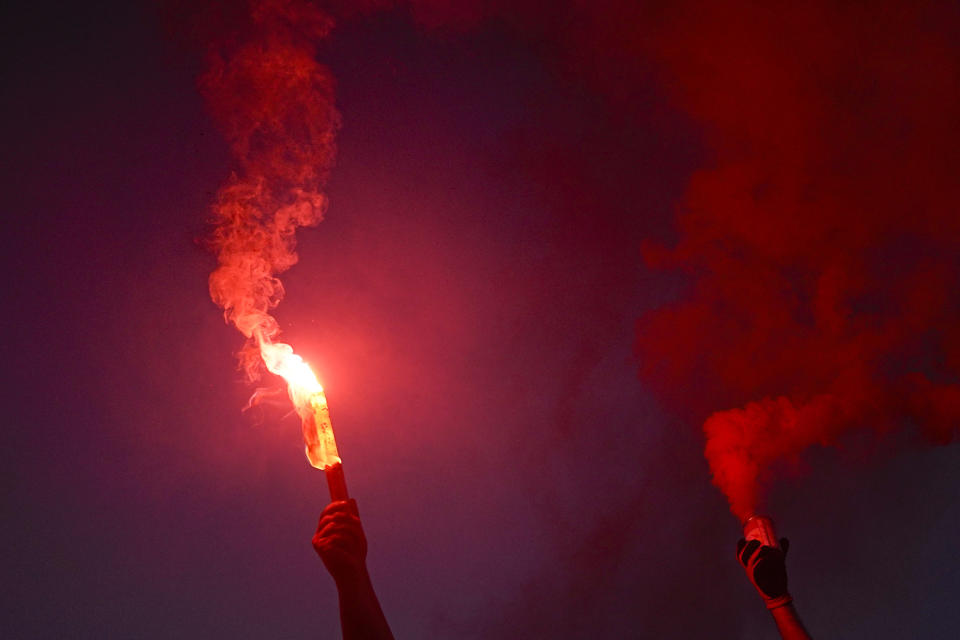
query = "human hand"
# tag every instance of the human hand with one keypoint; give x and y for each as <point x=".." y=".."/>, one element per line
<point x="767" y="569"/>
<point x="340" y="542"/>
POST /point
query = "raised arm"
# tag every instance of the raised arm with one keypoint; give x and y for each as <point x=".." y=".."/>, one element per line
<point x="342" y="546"/>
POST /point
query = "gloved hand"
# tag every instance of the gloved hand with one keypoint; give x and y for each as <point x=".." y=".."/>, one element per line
<point x="767" y="570"/>
<point x="340" y="541"/>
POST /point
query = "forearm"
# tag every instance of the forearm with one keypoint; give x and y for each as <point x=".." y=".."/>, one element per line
<point x="361" y="617"/>
<point x="788" y="623"/>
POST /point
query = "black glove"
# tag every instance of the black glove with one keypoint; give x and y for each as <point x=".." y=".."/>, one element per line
<point x="767" y="570"/>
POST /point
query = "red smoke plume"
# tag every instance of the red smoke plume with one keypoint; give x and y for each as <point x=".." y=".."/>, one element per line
<point x="274" y="104"/>
<point x="821" y="241"/>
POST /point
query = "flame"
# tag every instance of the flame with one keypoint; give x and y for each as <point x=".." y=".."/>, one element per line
<point x="308" y="399"/>
<point x="281" y="360"/>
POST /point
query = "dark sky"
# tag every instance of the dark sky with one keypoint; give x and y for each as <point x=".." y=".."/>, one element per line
<point x="470" y="302"/>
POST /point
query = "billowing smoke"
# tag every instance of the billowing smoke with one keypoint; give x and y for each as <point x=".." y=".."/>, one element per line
<point x="274" y="104"/>
<point x="821" y="240"/>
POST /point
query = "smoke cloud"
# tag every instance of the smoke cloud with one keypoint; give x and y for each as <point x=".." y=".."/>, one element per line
<point x="274" y="104"/>
<point x="820" y="242"/>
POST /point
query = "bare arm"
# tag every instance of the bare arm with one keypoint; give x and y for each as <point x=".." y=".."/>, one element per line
<point x="788" y="623"/>
<point x="342" y="546"/>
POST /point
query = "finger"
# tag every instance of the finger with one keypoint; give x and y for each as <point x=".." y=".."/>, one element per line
<point x="331" y="546"/>
<point x="324" y="546"/>
<point x="752" y="551"/>
<point x="748" y="551"/>
<point x="338" y="506"/>
<point x="763" y="553"/>
<point x="353" y="507"/>
<point x="339" y="553"/>
<point x="319" y="543"/>
<point x="340" y="529"/>
<point x="785" y="545"/>
<point x="338" y="516"/>
<point x="741" y="543"/>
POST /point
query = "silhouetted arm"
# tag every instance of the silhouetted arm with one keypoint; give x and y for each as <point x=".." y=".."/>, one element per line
<point x="342" y="546"/>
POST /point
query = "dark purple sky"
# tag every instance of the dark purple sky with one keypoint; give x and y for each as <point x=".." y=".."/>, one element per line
<point x="470" y="302"/>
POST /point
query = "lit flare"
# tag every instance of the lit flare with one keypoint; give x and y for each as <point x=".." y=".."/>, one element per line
<point x="308" y="399"/>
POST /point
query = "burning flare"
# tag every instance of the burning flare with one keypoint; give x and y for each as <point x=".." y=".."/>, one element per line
<point x="308" y="399"/>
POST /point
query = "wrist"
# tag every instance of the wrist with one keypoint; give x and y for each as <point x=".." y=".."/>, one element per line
<point x="779" y="601"/>
<point x="352" y="578"/>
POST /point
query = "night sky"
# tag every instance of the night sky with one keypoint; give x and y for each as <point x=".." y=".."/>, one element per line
<point x="471" y="303"/>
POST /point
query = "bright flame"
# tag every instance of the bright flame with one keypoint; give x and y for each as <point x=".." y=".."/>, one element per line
<point x="281" y="360"/>
<point x="308" y="399"/>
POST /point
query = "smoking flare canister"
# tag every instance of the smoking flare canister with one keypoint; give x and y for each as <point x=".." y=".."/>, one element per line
<point x="760" y="528"/>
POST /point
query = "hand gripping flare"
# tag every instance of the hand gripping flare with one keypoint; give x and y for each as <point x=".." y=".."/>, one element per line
<point x="763" y="558"/>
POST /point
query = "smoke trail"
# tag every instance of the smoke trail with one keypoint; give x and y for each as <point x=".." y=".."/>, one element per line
<point x="274" y="104"/>
<point x="822" y="240"/>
